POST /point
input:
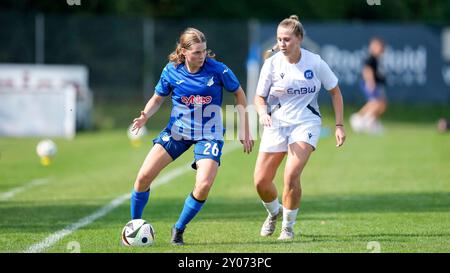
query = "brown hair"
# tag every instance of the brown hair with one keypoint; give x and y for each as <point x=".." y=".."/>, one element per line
<point x="293" y="24"/>
<point x="189" y="37"/>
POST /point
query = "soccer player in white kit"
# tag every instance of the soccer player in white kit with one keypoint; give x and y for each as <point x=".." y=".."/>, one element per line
<point x="286" y="101"/>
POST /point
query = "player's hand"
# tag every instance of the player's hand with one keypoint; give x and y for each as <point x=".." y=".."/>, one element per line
<point x="340" y="136"/>
<point x="265" y="120"/>
<point x="139" y="122"/>
<point x="248" y="143"/>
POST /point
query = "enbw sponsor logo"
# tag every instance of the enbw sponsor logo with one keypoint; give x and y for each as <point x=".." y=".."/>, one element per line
<point x="301" y="91"/>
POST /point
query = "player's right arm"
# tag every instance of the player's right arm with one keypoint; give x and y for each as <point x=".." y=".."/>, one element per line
<point x="162" y="90"/>
<point x="262" y="91"/>
<point x="150" y="109"/>
<point x="261" y="108"/>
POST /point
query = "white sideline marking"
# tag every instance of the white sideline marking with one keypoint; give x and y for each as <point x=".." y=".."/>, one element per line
<point x="10" y="194"/>
<point x="55" y="237"/>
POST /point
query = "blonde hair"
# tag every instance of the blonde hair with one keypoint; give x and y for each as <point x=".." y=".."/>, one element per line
<point x="293" y="24"/>
<point x="189" y="37"/>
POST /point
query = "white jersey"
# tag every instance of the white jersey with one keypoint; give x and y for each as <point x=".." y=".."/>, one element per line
<point x="292" y="89"/>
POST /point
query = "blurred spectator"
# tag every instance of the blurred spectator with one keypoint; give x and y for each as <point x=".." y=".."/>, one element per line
<point x="367" y="119"/>
<point x="443" y="125"/>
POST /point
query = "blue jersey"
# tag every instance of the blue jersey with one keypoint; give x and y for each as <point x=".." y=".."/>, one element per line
<point x="196" y="98"/>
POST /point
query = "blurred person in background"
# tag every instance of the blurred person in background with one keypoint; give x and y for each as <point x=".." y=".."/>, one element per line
<point x="194" y="81"/>
<point x="367" y="119"/>
<point x="286" y="101"/>
<point x="443" y="125"/>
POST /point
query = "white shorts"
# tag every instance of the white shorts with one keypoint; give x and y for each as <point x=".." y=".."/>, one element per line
<point x="275" y="140"/>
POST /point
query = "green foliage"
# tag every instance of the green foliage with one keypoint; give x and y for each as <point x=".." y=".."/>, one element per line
<point x="411" y="10"/>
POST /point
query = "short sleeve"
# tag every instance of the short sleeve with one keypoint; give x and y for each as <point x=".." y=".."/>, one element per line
<point x="265" y="80"/>
<point x="163" y="87"/>
<point x="229" y="80"/>
<point x="327" y="76"/>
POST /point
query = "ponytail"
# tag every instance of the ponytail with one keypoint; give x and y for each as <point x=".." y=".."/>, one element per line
<point x="268" y="53"/>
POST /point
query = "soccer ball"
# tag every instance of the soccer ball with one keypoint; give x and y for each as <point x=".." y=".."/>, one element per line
<point x="46" y="148"/>
<point x="138" y="232"/>
<point x="132" y="134"/>
<point x="136" y="139"/>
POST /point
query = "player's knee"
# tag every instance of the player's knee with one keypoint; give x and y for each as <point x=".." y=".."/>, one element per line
<point x="204" y="184"/>
<point x="292" y="178"/>
<point x="143" y="181"/>
<point x="261" y="181"/>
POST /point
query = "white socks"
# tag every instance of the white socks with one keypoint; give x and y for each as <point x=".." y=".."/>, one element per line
<point x="272" y="207"/>
<point x="289" y="217"/>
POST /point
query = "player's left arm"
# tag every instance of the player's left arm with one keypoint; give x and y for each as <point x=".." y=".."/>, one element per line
<point x="368" y="75"/>
<point x="244" y="128"/>
<point x="338" y="105"/>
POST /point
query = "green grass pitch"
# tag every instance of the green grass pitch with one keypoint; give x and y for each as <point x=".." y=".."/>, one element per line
<point x="393" y="190"/>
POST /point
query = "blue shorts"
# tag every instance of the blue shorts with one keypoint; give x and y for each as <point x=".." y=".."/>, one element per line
<point x="377" y="94"/>
<point x="204" y="148"/>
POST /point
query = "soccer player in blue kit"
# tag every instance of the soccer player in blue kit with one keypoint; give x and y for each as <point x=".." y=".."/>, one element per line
<point x="194" y="80"/>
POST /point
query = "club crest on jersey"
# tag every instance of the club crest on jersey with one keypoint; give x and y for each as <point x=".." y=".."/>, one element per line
<point x="166" y="138"/>
<point x="309" y="74"/>
<point x="282" y="75"/>
<point x="196" y="100"/>
<point x="210" y="82"/>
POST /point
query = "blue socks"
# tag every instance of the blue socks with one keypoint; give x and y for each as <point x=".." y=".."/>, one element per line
<point x="191" y="207"/>
<point x="138" y="202"/>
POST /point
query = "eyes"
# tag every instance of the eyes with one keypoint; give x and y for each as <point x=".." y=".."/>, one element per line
<point x="283" y="39"/>
<point x="198" y="52"/>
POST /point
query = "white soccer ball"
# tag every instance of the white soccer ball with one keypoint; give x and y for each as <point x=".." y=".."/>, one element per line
<point x="138" y="232"/>
<point x="46" y="148"/>
<point x="132" y="134"/>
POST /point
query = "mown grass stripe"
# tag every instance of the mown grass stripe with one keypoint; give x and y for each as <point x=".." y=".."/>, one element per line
<point x="33" y="183"/>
